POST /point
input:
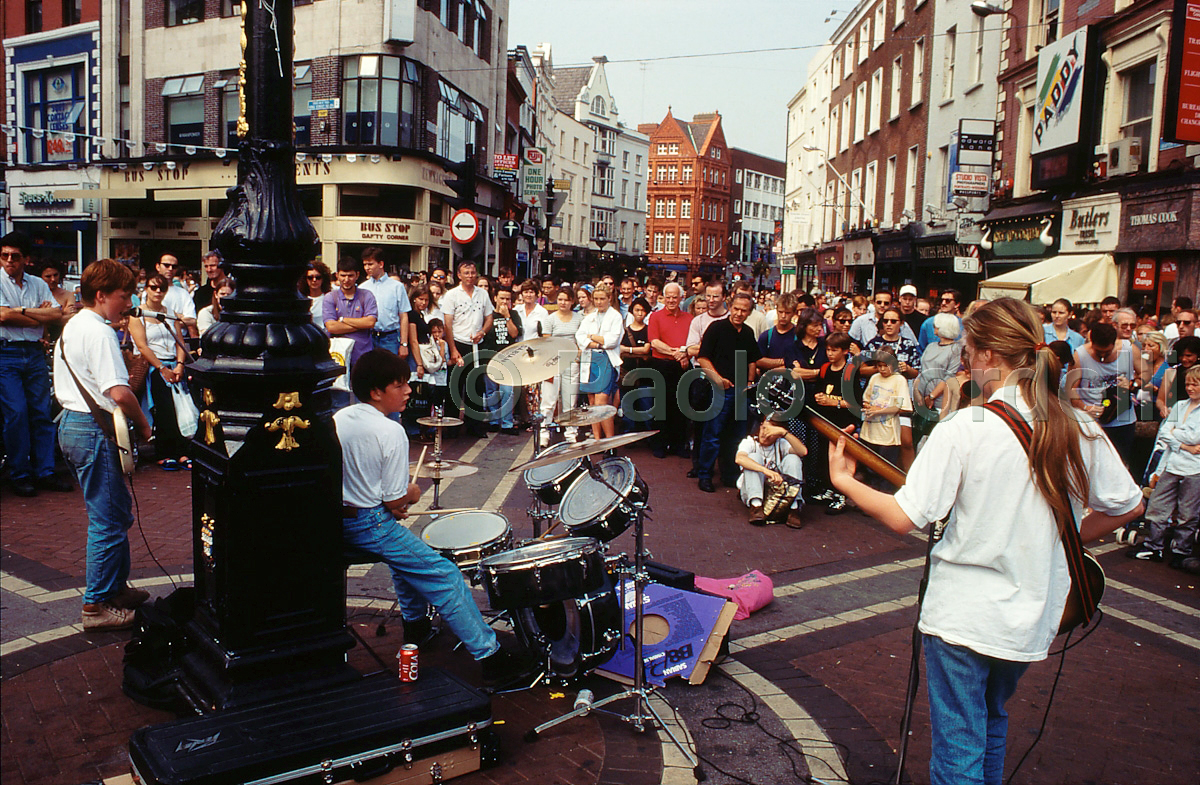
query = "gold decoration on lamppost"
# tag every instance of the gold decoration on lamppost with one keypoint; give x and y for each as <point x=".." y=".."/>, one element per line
<point x="288" y="425"/>
<point x="287" y="401"/>
<point x="210" y="420"/>
<point x="243" y="127"/>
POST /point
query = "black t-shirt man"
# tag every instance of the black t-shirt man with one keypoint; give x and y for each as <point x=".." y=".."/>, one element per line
<point x="730" y="349"/>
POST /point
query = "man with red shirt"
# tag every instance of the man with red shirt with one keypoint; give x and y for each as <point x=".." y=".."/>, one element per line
<point x="668" y="334"/>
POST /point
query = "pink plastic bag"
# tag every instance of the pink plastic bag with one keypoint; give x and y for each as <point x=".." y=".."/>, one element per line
<point x="751" y="591"/>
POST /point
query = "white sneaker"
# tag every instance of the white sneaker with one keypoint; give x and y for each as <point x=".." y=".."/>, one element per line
<point x="544" y="440"/>
<point x="571" y="434"/>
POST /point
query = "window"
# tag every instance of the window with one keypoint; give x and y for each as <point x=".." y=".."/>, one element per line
<point x="918" y="78"/>
<point x="877" y="33"/>
<point x="232" y="8"/>
<point x="660" y="208"/>
<point x="673" y="148"/>
<point x="737" y="206"/>
<point x="716" y="153"/>
<point x="606" y="141"/>
<point x="949" y="55"/>
<point x="752" y="209"/>
<point x="848" y="59"/>
<point x="737" y="175"/>
<point x="55" y="100"/>
<point x="624" y="233"/>
<point x="837" y="66"/>
<point x="301" y="95"/>
<point x="1043" y="24"/>
<point x="33" y="16"/>
<point x="185" y="109"/>
<point x="575" y="149"/>
<point x="1138" y="83"/>
<point x="229" y="109"/>
<point x="856" y="182"/>
<point x="864" y="39"/>
<point x="670" y="208"/>
<point x="603" y="181"/>
<point x="836" y="126"/>
<point x="685" y="208"/>
<point x="72" y="12"/>
<point x="685" y="243"/>
<point x="846" y="118"/>
<point x="889" y="191"/>
<point x="598" y="105"/>
<point x="860" y="112"/>
<point x="900" y="11"/>
<point x="687" y="173"/>
<point x="910" y="180"/>
<point x="184" y="12"/>
<point x="625" y="161"/>
<point x="637" y="196"/>
<point x="637" y="165"/>
<point x="876" y="100"/>
<point x="897" y="80"/>
<point x="460" y="121"/>
<point x="672" y="173"/>
<point x="658" y="242"/>
<point x="379" y="99"/>
<point x="670" y="245"/>
<point x="637" y="237"/>
<point x="976" y="64"/>
<point x="602" y="224"/>
<point x="624" y="193"/>
<point x="870" y="184"/>
<point x="662" y="148"/>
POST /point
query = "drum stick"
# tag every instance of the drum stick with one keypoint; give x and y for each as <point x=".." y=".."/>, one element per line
<point x="420" y="463"/>
<point x="546" y="533"/>
<point x="446" y="511"/>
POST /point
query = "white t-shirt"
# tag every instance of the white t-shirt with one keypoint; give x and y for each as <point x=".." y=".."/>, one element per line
<point x="999" y="579"/>
<point x="608" y="326"/>
<point x="374" y="456"/>
<point x="466" y="312"/>
<point x="177" y="300"/>
<point x="771" y="456"/>
<point x="530" y="319"/>
<point x="94" y="354"/>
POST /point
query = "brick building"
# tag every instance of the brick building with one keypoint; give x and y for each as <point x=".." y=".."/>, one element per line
<point x="48" y="120"/>
<point x="688" y="194"/>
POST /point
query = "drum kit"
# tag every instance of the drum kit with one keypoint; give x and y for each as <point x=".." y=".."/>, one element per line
<point x="561" y="592"/>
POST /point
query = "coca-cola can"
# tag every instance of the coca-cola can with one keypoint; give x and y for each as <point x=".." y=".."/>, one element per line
<point x="408" y="662"/>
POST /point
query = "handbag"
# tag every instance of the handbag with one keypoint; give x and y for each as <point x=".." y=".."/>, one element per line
<point x="187" y="416"/>
<point x="602" y="373"/>
<point x="1117" y="400"/>
<point x="340" y="349"/>
<point x="1087" y="577"/>
<point x="431" y="358"/>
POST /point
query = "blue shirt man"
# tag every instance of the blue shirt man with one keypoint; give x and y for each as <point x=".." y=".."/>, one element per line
<point x="951" y="302"/>
<point x="391" y="303"/>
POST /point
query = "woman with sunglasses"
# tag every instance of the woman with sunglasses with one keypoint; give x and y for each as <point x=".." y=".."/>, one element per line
<point x="908" y="365"/>
<point x="842" y="319"/>
<point x="316" y="284"/>
<point x="155" y="337"/>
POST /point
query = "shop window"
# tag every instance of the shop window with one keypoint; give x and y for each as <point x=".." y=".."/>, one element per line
<point x="232" y="7"/>
<point x="301" y="95"/>
<point x="185" y="109"/>
<point x="184" y="12"/>
<point x="55" y="100"/>
<point x="229" y="110"/>
<point x="1138" y="83"/>
<point x="379" y="97"/>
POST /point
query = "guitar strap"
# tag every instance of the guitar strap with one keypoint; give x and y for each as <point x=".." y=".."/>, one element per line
<point x="103" y="419"/>
<point x="1072" y="544"/>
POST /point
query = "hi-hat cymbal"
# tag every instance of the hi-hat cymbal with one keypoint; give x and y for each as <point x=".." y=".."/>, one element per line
<point x="529" y="362"/>
<point x="586" y="415"/>
<point x="443" y="422"/>
<point x="590" y="447"/>
<point x="444" y="468"/>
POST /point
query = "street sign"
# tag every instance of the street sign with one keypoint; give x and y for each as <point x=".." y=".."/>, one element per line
<point x="969" y="183"/>
<point x="464" y="226"/>
<point x="510" y="229"/>
<point x="562" y="185"/>
<point x="324" y="103"/>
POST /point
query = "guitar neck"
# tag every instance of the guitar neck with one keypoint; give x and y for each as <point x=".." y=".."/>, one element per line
<point x="855" y="448"/>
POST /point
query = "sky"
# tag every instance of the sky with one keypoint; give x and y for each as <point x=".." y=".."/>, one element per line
<point x="652" y="48"/>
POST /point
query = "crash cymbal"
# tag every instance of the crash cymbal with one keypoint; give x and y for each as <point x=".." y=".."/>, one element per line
<point x="444" y="469"/>
<point x="586" y="415"/>
<point x="590" y="447"/>
<point x="444" y="422"/>
<point x="529" y="362"/>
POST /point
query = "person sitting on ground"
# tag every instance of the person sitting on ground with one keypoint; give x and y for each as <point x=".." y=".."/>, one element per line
<point x="1177" y="492"/>
<point x="769" y="457"/>
<point x="377" y="490"/>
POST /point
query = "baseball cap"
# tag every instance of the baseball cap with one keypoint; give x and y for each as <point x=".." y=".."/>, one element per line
<point x="908" y="289"/>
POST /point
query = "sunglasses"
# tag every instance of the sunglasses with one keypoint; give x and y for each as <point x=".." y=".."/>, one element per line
<point x="890" y="321"/>
<point x="883" y="302"/>
<point x="1183" y="321"/>
<point x="949" y="300"/>
<point x="843" y="321"/>
<point x="154" y="288"/>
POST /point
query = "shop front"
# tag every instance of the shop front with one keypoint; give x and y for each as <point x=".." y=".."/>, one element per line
<point x="1018" y="236"/>
<point x="828" y="273"/>
<point x="944" y="263"/>
<point x="893" y="258"/>
<point x="353" y="201"/>
<point x="50" y="207"/>
<point x="858" y="257"/>
<point x="1158" y="250"/>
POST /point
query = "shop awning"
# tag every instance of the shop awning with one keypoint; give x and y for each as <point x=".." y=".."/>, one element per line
<point x="1081" y="278"/>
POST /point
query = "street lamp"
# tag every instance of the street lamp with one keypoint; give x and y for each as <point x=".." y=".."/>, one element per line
<point x="983" y="9"/>
<point x="866" y="210"/>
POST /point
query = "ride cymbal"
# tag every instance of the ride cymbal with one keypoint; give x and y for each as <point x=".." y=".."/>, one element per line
<point x="590" y="447"/>
<point x="529" y="362"/>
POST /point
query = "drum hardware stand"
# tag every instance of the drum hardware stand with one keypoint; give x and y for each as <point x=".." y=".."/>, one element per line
<point x="436" y="477"/>
<point x="643" y="714"/>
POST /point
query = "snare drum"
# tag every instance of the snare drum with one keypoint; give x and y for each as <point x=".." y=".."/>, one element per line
<point x="543" y="573"/>
<point x="574" y="636"/>
<point x="467" y="537"/>
<point x="549" y="483"/>
<point x="591" y="509"/>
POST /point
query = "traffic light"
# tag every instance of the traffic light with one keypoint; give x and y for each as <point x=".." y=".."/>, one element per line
<point x="463" y="181"/>
<point x="552" y="199"/>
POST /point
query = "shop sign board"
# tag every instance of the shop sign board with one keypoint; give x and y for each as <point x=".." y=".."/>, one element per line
<point x="966" y="264"/>
<point x="39" y="201"/>
<point x="1143" y="275"/>
<point x="1091" y="224"/>
<point x="976" y="138"/>
<point x="859" y="253"/>
<point x="505" y="167"/>
<point x="533" y="172"/>
<point x="1058" y="108"/>
<point x="1182" y="121"/>
<point x="1155" y="224"/>
<point x="969" y="183"/>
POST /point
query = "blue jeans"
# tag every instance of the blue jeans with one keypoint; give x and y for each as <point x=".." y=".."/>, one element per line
<point x="421" y="576"/>
<point x="500" y="403"/>
<point x="25" y="406"/>
<point x="967" y="693"/>
<point x="719" y="438"/>
<point x="97" y="465"/>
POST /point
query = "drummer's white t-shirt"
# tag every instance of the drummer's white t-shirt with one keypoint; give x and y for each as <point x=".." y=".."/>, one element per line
<point x="374" y="456"/>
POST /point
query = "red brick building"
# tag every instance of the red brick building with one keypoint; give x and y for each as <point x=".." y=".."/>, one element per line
<point x="688" y="201"/>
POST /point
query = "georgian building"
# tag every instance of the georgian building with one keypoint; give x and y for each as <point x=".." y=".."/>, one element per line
<point x="688" y="204"/>
<point x="756" y="216"/>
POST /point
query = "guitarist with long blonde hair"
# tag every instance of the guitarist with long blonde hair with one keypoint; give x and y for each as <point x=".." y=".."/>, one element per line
<point x="88" y="355"/>
<point x="999" y="577"/>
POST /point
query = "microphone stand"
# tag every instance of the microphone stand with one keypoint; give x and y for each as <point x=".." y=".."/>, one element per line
<point x="643" y="714"/>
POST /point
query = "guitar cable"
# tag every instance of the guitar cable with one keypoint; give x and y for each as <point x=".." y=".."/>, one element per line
<point x="137" y="516"/>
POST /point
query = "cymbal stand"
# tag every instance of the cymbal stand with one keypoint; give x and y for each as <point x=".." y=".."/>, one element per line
<point x="436" y="477"/>
<point x="643" y="714"/>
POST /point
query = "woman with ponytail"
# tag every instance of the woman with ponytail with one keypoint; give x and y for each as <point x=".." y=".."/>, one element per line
<point x="998" y="578"/>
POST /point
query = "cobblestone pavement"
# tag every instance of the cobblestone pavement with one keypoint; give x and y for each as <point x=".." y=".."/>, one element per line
<point x="814" y="684"/>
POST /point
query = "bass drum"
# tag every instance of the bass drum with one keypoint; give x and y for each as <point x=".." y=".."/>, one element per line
<point x="574" y="636"/>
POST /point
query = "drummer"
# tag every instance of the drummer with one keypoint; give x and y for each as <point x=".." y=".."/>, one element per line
<point x="376" y="491"/>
